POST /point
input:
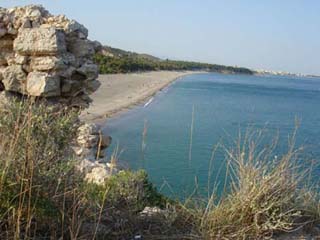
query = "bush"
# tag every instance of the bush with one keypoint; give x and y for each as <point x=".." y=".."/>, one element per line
<point x="41" y="193"/>
<point x="120" y="201"/>
<point x="129" y="190"/>
<point x="37" y="178"/>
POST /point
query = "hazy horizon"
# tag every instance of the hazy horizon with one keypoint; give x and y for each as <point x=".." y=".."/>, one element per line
<point x="273" y="35"/>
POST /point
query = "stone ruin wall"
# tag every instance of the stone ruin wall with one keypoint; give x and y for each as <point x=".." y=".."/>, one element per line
<point x="46" y="56"/>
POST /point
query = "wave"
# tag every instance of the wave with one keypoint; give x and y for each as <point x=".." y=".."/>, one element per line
<point x="147" y="103"/>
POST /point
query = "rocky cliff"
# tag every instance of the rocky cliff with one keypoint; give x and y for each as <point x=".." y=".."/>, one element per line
<point x="46" y="56"/>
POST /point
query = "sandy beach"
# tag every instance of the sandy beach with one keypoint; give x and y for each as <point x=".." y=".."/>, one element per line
<point x="119" y="92"/>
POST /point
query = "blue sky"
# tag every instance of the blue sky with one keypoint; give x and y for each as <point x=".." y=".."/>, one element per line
<point x="269" y="34"/>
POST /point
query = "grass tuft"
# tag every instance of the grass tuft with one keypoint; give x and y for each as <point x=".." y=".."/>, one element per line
<point x="268" y="193"/>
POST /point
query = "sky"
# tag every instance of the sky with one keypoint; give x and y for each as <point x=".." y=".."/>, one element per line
<point x="280" y="35"/>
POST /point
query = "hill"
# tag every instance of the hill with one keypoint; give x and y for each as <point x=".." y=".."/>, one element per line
<point x="114" y="60"/>
<point x="117" y="52"/>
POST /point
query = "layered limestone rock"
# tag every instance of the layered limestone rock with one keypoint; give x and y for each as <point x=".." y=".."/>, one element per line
<point x="46" y="56"/>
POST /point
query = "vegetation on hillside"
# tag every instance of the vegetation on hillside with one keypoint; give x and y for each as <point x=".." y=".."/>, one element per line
<point x="117" y="52"/>
<point x="112" y="60"/>
<point x="43" y="196"/>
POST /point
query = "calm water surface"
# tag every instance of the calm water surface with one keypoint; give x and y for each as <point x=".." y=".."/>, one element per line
<point x="222" y="105"/>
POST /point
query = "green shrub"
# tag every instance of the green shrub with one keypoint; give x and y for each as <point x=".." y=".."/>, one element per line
<point x="37" y="177"/>
<point x="41" y="193"/>
<point x="128" y="190"/>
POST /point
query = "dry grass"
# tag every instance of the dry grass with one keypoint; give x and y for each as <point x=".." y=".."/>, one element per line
<point x="264" y="195"/>
<point x="37" y="181"/>
<point x="268" y="194"/>
<point x="43" y="197"/>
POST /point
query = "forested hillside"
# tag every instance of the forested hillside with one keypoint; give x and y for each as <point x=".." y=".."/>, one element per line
<point x="113" y="60"/>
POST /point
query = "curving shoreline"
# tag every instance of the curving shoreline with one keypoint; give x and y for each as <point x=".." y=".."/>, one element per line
<point x="120" y="92"/>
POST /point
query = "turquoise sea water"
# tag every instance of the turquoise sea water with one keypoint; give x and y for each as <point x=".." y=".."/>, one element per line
<point x="223" y="105"/>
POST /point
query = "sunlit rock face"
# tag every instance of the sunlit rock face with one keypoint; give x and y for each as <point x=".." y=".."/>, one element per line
<point x="90" y="149"/>
<point x="46" y="56"/>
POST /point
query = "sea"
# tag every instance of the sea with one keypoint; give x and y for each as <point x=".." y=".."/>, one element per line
<point x="182" y="135"/>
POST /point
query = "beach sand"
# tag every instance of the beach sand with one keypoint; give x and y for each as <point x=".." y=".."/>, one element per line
<point x="119" y="92"/>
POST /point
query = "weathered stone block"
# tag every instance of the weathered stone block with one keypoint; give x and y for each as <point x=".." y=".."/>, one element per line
<point x="20" y="59"/>
<point x="26" y="23"/>
<point x="47" y="63"/>
<point x="43" y="84"/>
<point x="88" y="141"/>
<point x="70" y="87"/>
<point x="67" y="73"/>
<point x="81" y="48"/>
<point x="98" y="175"/>
<point x="92" y="86"/>
<point x="88" y="129"/>
<point x="73" y="27"/>
<point x="39" y="41"/>
<point x="14" y="79"/>
<point x="90" y="70"/>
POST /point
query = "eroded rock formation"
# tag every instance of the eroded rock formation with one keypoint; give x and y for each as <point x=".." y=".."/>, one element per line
<point x="46" y="56"/>
<point x="91" y="146"/>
